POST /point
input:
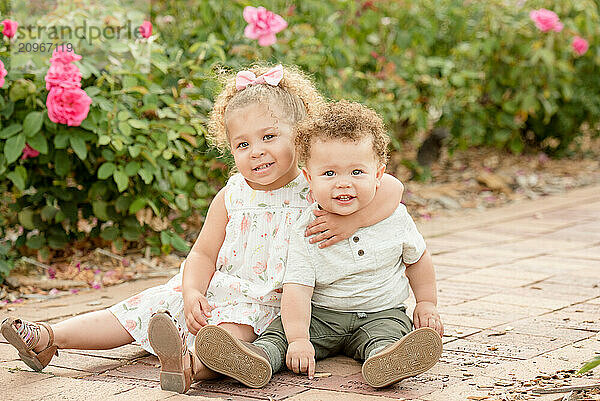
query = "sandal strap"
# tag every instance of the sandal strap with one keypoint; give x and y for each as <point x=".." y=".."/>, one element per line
<point x="50" y="333"/>
<point x="28" y="331"/>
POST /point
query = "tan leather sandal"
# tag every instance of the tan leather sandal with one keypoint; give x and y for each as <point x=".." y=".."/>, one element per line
<point x="168" y="342"/>
<point x="25" y="336"/>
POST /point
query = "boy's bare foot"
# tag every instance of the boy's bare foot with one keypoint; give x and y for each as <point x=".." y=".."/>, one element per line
<point x="224" y="353"/>
<point x="415" y="353"/>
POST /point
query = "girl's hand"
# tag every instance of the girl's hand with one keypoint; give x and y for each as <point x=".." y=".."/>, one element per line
<point x="426" y="315"/>
<point x="196" y="309"/>
<point x="330" y="228"/>
<point x="300" y="357"/>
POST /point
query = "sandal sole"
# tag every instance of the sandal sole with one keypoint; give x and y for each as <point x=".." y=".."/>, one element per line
<point x="220" y="351"/>
<point x="166" y="342"/>
<point x="27" y="356"/>
<point x="414" y="354"/>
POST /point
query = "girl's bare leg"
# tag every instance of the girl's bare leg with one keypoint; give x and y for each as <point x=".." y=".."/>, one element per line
<point x="242" y="331"/>
<point x="94" y="330"/>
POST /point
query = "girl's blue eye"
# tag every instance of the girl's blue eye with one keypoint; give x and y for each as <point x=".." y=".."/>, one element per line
<point x="356" y="172"/>
<point x="268" y="136"/>
<point x="242" y="145"/>
<point x="329" y="173"/>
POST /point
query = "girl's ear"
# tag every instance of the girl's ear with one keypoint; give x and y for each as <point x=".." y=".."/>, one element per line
<point x="379" y="174"/>
<point x="306" y="174"/>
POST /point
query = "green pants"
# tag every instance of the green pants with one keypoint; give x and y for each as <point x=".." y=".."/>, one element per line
<point x="355" y="334"/>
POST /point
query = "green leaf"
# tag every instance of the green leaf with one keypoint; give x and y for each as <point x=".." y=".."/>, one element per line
<point x="10" y="131"/>
<point x="131" y="233"/>
<point x="125" y="128"/>
<point x="180" y="178"/>
<point x="33" y="123"/>
<point x="121" y="179"/>
<point x="110" y="233"/>
<point x="25" y="217"/>
<point x="35" y="242"/>
<point x="139" y="124"/>
<point x="590" y="365"/>
<point x="18" y="177"/>
<point x="132" y="168"/>
<point x="178" y="243"/>
<point x="122" y="203"/>
<point x="146" y="175"/>
<point x="58" y="241"/>
<point x="106" y="170"/>
<point x="78" y="145"/>
<point x="182" y="202"/>
<point x="137" y="205"/>
<point x="61" y="140"/>
<point x="100" y="210"/>
<point x="103" y="140"/>
<point x="62" y="163"/>
<point x="134" y="150"/>
<point x="48" y="212"/>
<point x="39" y="143"/>
<point x="92" y="90"/>
<point x="13" y="148"/>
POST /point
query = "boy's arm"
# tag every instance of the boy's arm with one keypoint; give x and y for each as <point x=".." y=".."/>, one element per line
<point x="295" y="317"/>
<point x="200" y="264"/>
<point x="421" y="277"/>
<point x="333" y="228"/>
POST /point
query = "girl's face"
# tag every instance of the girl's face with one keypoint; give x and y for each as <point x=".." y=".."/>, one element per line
<point x="262" y="144"/>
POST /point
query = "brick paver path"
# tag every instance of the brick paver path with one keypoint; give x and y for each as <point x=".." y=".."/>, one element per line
<point x="519" y="292"/>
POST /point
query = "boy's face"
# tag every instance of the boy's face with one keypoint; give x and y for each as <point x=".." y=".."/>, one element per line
<point x="343" y="175"/>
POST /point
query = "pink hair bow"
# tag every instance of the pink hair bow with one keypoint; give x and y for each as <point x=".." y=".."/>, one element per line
<point x="271" y="77"/>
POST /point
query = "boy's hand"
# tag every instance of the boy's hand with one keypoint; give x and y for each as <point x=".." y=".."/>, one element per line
<point x="330" y="228"/>
<point x="196" y="309"/>
<point x="426" y="315"/>
<point x="300" y="357"/>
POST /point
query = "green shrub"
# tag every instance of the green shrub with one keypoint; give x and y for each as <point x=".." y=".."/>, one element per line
<point x="138" y="163"/>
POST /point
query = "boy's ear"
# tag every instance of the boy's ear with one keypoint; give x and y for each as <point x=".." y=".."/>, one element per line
<point x="379" y="174"/>
<point x="306" y="174"/>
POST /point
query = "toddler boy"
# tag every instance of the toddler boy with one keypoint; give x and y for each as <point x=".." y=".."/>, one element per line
<point x="357" y="286"/>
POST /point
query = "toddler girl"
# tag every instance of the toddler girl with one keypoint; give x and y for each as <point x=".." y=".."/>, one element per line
<point x="232" y="276"/>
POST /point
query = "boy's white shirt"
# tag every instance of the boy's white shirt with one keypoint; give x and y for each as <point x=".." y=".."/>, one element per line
<point x="365" y="273"/>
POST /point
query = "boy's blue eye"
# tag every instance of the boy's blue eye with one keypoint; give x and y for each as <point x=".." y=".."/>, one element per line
<point x="329" y="173"/>
<point x="356" y="172"/>
<point x="242" y="145"/>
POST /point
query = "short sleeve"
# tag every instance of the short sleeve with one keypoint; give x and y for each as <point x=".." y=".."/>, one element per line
<point x="299" y="268"/>
<point x="413" y="245"/>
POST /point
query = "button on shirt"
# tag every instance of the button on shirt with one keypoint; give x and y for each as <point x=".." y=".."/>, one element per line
<point x="365" y="273"/>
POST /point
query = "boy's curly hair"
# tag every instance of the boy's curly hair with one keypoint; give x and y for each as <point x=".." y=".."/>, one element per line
<point x="295" y="95"/>
<point x="342" y="120"/>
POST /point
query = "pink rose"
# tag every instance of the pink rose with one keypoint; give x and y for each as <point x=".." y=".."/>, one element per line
<point x="130" y="325"/>
<point x="3" y="73"/>
<point x="580" y="45"/>
<point x="63" y="75"/>
<point x="63" y="55"/>
<point x="260" y="267"/>
<point x="28" y="152"/>
<point x="263" y="25"/>
<point x="10" y="28"/>
<point x="68" y="105"/>
<point x="146" y="29"/>
<point x="546" y="20"/>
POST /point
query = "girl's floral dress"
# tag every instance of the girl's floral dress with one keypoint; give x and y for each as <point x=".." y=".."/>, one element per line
<point x="246" y="287"/>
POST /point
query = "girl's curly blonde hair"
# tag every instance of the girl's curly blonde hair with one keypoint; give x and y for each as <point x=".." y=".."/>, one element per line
<point x="295" y="96"/>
